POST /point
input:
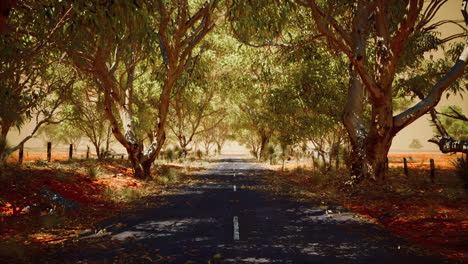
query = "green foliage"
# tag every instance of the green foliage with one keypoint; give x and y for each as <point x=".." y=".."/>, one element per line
<point x="170" y="154"/>
<point x="257" y="21"/>
<point x="93" y="172"/>
<point x="415" y="144"/>
<point x="424" y="73"/>
<point x="166" y="175"/>
<point x="456" y="128"/>
<point x="33" y="79"/>
<point x="126" y="194"/>
<point x="64" y="132"/>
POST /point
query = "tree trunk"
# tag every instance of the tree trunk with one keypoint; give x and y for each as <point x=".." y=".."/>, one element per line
<point x="141" y="168"/>
<point x="108" y="137"/>
<point x="380" y="135"/>
<point x="265" y="140"/>
<point x="100" y="155"/>
<point x="353" y="113"/>
<point x="219" y="146"/>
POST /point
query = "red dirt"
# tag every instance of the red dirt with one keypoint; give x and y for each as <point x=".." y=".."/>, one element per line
<point x="21" y="190"/>
<point x="436" y="225"/>
<point x="421" y="160"/>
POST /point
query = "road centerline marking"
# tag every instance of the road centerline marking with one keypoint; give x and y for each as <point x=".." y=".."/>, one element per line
<point x="235" y="221"/>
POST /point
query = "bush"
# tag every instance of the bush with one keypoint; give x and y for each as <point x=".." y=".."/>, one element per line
<point x="170" y="154"/>
<point x="41" y="163"/>
<point x="93" y="172"/>
<point x="199" y="154"/>
<point x="166" y="175"/>
<point x="126" y="194"/>
<point x="178" y="152"/>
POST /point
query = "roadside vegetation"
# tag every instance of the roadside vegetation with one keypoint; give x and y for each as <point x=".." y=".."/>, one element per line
<point x="43" y="203"/>
<point x="426" y="213"/>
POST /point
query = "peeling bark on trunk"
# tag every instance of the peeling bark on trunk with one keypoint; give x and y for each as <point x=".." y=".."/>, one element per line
<point x="353" y="112"/>
<point x="448" y="145"/>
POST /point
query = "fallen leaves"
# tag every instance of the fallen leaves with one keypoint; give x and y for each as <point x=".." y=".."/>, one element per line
<point x="19" y="186"/>
<point x="409" y="207"/>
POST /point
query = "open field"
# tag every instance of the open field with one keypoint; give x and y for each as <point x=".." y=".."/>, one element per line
<point x="421" y="160"/>
<point x="415" y="160"/>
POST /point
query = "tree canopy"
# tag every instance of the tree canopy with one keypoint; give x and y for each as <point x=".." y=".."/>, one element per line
<point x="324" y="75"/>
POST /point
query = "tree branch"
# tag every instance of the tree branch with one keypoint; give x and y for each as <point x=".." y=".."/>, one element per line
<point x="407" y="117"/>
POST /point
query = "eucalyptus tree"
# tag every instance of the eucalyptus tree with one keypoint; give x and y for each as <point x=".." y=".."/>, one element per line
<point x="217" y="132"/>
<point x="190" y="108"/>
<point x="380" y="39"/>
<point x="196" y="98"/>
<point x="84" y="118"/>
<point x="115" y="41"/>
<point x="306" y="106"/>
<point x="33" y="80"/>
<point x="391" y="27"/>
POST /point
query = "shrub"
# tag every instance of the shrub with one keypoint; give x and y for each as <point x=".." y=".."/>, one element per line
<point x="199" y="154"/>
<point x="93" y="172"/>
<point x="170" y="154"/>
<point x="41" y="163"/>
<point x="166" y="175"/>
<point x="126" y="194"/>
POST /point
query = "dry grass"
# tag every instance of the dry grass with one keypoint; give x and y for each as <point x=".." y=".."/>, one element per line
<point x="100" y="188"/>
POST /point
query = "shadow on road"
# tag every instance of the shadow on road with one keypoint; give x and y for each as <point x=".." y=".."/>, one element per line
<point x="197" y="227"/>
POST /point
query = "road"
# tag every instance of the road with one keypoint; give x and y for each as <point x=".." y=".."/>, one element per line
<point x="232" y="218"/>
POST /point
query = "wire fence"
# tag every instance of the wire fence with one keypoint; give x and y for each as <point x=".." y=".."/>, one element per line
<point x="50" y="152"/>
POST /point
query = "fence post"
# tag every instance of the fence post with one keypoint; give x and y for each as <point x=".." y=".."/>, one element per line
<point x="87" y="152"/>
<point x="70" y="152"/>
<point x="432" y="170"/>
<point x="49" y="151"/>
<point x="405" y="163"/>
<point x="21" y="154"/>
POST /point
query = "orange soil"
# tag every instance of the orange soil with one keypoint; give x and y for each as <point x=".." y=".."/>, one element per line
<point x="421" y="160"/>
<point x="33" y="156"/>
<point x="78" y="188"/>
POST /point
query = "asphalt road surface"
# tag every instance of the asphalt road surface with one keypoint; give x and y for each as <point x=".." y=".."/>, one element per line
<point x="229" y="219"/>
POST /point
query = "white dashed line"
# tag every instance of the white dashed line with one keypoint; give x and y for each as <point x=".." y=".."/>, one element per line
<point x="234" y="187"/>
<point x="236" y="228"/>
